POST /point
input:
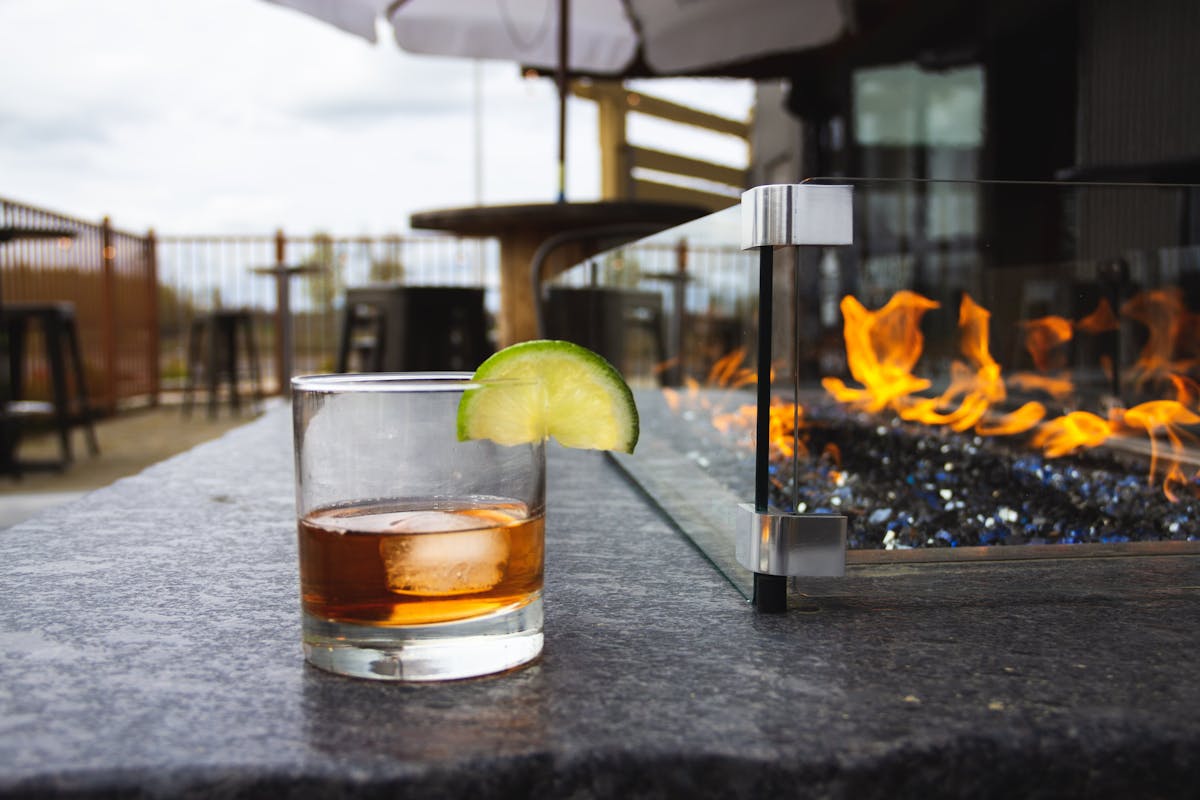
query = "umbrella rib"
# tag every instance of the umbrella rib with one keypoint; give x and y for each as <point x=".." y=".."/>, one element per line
<point x="635" y="21"/>
<point x="392" y="8"/>
<point x="515" y="35"/>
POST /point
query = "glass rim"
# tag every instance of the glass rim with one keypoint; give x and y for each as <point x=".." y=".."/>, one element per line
<point x="384" y="382"/>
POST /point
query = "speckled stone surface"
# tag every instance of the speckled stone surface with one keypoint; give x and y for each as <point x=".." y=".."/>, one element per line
<point x="149" y="646"/>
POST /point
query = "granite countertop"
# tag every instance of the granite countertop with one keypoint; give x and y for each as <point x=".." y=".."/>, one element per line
<point x="149" y="646"/>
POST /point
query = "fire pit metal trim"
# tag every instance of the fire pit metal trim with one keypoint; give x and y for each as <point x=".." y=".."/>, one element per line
<point x="770" y="542"/>
<point x="811" y="545"/>
<point x="704" y="511"/>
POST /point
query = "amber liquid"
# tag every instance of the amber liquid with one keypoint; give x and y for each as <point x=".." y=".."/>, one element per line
<point x="419" y="562"/>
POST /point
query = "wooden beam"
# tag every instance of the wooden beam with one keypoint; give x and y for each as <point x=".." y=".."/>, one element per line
<point x="665" y="109"/>
<point x="667" y="193"/>
<point x="614" y="147"/>
<point x="683" y="165"/>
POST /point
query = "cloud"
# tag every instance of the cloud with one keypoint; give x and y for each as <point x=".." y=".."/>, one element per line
<point x="229" y="116"/>
<point x="50" y="131"/>
<point x="356" y="109"/>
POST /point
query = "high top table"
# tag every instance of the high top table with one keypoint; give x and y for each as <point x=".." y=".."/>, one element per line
<point x="284" y="351"/>
<point x="149" y="646"/>
<point x="522" y="229"/>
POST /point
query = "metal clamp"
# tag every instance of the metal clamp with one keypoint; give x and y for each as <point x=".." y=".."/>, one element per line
<point x="797" y="214"/>
<point x="774" y="543"/>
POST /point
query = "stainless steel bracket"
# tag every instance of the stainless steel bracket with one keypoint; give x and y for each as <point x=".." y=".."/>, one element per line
<point x="797" y="214"/>
<point x="775" y="543"/>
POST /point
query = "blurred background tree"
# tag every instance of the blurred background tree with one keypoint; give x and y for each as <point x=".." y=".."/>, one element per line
<point x="324" y="286"/>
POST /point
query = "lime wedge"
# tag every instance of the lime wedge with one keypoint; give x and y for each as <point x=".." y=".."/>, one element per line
<point x="582" y="401"/>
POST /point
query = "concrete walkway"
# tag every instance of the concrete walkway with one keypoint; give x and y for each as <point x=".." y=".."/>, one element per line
<point x="129" y="442"/>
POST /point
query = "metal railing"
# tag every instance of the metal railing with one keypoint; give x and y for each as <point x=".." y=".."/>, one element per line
<point x="708" y="293"/>
<point x="198" y="274"/>
<point x="137" y="296"/>
<point x="109" y="277"/>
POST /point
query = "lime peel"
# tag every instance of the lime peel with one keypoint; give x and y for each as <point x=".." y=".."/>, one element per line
<point x="579" y="399"/>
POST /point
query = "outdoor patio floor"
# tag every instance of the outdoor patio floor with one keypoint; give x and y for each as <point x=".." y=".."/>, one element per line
<point x="129" y="442"/>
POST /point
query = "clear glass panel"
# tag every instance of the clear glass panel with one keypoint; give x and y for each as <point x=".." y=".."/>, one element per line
<point x="988" y="365"/>
<point x="904" y="105"/>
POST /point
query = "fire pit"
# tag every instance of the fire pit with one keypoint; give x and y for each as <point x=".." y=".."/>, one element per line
<point x="983" y="391"/>
<point x="969" y="465"/>
<point x="908" y="485"/>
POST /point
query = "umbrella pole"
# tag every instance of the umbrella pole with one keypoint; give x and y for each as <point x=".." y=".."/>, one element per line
<point x="564" y="21"/>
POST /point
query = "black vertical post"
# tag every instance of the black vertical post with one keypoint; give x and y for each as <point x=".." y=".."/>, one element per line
<point x="770" y="591"/>
<point x="108" y="312"/>
<point x="762" y="451"/>
<point x="564" y="66"/>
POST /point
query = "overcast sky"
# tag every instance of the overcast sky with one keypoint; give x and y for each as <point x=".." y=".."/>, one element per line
<point x="228" y="116"/>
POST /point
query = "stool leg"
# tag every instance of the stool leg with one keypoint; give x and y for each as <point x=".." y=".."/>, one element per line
<point x="660" y="344"/>
<point x="15" y="329"/>
<point x="212" y="367"/>
<point x="81" y="390"/>
<point x="52" y="333"/>
<point x="252" y="354"/>
<point x="380" y="338"/>
<point x="343" y="357"/>
<point x="16" y="359"/>
<point x="192" y="364"/>
<point x="196" y="334"/>
<point x="229" y="337"/>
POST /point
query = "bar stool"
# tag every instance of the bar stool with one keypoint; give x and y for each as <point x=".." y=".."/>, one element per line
<point x="414" y="328"/>
<point x="606" y="320"/>
<point x="60" y="341"/>
<point x="364" y="331"/>
<point x="213" y="351"/>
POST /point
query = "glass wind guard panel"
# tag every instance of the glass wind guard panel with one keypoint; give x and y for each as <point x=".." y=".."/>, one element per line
<point x="991" y="370"/>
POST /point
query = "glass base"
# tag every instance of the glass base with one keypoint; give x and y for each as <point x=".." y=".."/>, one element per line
<point x="444" y="652"/>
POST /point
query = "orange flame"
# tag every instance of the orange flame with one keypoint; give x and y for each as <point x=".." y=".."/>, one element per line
<point x="1071" y="432"/>
<point x="783" y="429"/>
<point x="978" y="384"/>
<point x="1163" y="314"/>
<point x="672" y="398"/>
<point x="1043" y="338"/>
<point x="1187" y="391"/>
<point x="730" y="372"/>
<point x="882" y="347"/>
<point x="1164" y="416"/>
<point x="781" y="426"/>
<point x="1102" y="319"/>
<point x="1059" y="387"/>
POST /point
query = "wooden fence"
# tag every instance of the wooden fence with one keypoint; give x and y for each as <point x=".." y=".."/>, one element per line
<point x="136" y="296"/>
<point x="198" y="274"/>
<point x="109" y="276"/>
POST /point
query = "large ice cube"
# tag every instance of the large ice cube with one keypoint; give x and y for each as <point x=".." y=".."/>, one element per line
<point x="445" y="557"/>
<point x="437" y="521"/>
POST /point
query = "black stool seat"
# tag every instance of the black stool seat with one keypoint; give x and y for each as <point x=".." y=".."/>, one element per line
<point x="60" y="341"/>
<point x="605" y="320"/>
<point x="213" y="353"/>
<point x="414" y="328"/>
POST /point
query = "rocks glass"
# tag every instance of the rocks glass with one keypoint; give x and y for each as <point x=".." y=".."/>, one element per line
<point x="420" y="555"/>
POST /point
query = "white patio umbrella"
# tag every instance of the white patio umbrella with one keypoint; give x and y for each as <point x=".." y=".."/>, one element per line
<point x="603" y="38"/>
